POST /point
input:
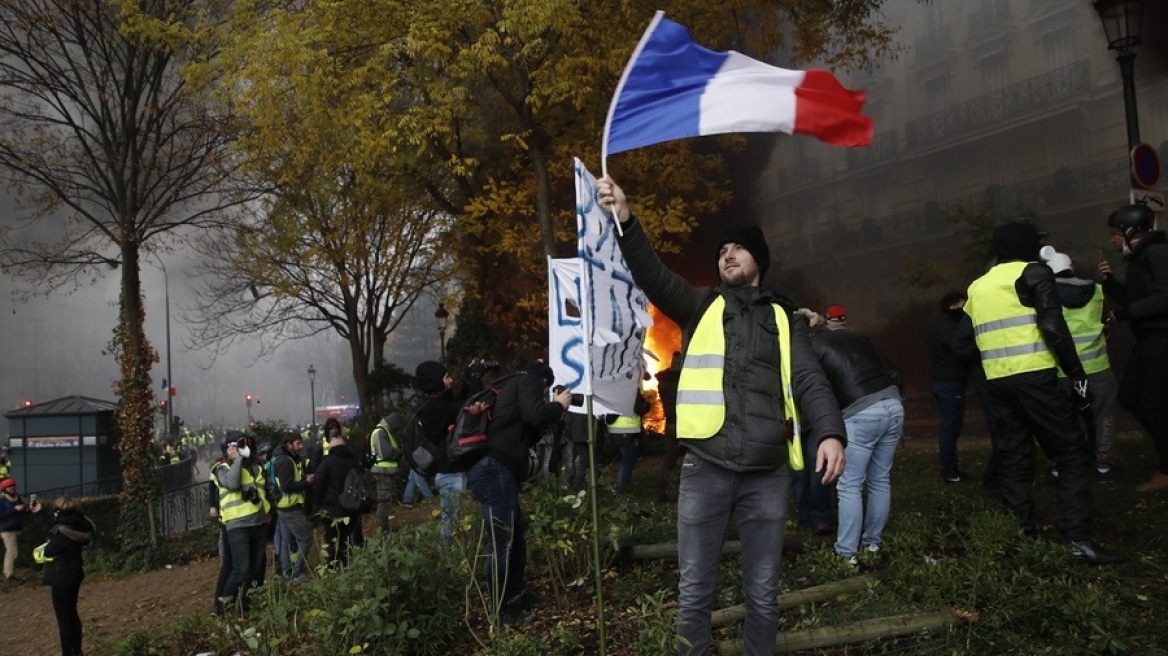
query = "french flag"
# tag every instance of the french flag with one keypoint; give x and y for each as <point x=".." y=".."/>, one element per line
<point x="673" y="88"/>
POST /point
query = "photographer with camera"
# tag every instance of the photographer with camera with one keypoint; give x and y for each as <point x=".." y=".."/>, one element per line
<point x="476" y="371"/>
<point x="521" y="411"/>
<point x="243" y="509"/>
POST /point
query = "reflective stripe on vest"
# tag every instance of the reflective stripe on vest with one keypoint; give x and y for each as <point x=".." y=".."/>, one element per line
<point x="290" y="499"/>
<point x="1006" y="331"/>
<point x="231" y="503"/>
<point x="382" y="464"/>
<point x="701" y="403"/>
<point x="625" y="424"/>
<point x="1086" y="324"/>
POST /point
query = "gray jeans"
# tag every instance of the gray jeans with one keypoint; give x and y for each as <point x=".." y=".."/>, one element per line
<point x="294" y="529"/>
<point x="708" y="496"/>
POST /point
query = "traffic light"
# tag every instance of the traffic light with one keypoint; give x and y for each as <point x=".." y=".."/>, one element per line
<point x="162" y="403"/>
<point x="27" y="403"/>
<point x="247" y="398"/>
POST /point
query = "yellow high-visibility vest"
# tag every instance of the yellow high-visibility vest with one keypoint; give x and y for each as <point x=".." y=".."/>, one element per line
<point x="232" y="505"/>
<point x="1006" y="331"/>
<point x="1086" y="324"/>
<point x="290" y="499"/>
<point x="625" y="424"/>
<point x="701" y="401"/>
<point x="381" y="464"/>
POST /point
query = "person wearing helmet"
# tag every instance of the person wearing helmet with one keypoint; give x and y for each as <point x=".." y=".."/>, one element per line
<point x="1015" y="325"/>
<point x="243" y="509"/>
<point x="1142" y="300"/>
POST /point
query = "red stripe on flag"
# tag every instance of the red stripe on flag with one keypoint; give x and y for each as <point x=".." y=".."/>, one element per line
<point x="825" y="109"/>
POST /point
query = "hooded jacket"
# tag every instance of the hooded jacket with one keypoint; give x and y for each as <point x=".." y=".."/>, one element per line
<point x="70" y="532"/>
<point x="284" y="466"/>
<point x="1143" y="296"/>
<point x="753" y="435"/>
<point x="944" y="365"/>
<point x="330" y="479"/>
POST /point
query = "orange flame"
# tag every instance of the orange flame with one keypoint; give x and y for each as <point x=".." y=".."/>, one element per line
<point x="662" y="339"/>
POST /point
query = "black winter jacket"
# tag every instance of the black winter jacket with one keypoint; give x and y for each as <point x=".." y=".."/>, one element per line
<point x="1143" y="296"/>
<point x="330" y="480"/>
<point x="753" y="436"/>
<point x="438" y="412"/>
<point x="860" y="374"/>
<point x="944" y="365"/>
<point x="70" y="532"/>
<point x="521" y="412"/>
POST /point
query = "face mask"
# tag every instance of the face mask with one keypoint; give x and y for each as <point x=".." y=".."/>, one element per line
<point x="244" y="452"/>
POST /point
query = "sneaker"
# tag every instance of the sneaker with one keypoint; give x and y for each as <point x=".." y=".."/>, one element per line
<point x="300" y="580"/>
<point x="951" y="477"/>
<point x="1107" y="475"/>
<point x="873" y="548"/>
<point x="1095" y="554"/>
<point x="525" y="601"/>
<point x="407" y="505"/>
<point x="853" y="561"/>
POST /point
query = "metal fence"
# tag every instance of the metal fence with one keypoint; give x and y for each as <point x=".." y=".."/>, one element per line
<point x="183" y="509"/>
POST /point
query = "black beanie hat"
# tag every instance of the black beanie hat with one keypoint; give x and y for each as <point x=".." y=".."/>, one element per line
<point x="752" y="239"/>
<point x="429" y="375"/>
<point x="1017" y="241"/>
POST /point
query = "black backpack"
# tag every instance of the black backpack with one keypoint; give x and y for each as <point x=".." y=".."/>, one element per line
<point x="421" y="453"/>
<point x="467" y="441"/>
<point x="359" y="494"/>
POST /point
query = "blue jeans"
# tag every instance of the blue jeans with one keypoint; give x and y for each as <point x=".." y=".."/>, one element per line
<point x="812" y="500"/>
<point x="294" y="528"/>
<point x="950" y="397"/>
<point x="450" y="489"/>
<point x="707" y="497"/>
<point x="630" y="450"/>
<point x="872" y="437"/>
<point x="418" y="481"/>
<point x="497" y="489"/>
<point x="278" y="545"/>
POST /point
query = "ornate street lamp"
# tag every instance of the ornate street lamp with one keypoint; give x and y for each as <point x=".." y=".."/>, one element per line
<point x="1121" y="22"/>
<point x="442" y="316"/>
<point x="312" y="389"/>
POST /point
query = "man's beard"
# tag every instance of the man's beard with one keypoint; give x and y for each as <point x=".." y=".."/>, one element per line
<point x="736" y="277"/>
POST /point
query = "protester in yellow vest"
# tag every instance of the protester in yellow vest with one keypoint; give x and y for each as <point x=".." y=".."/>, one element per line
<point x="1016" y="325"/>
<point x="1083" y="309"/>
<point x="243" y="509"/>
<point x="747" y="361"/>
<point x="384" y="449"/>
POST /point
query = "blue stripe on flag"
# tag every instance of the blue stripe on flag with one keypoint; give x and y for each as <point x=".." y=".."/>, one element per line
<point x="660" y="97"/>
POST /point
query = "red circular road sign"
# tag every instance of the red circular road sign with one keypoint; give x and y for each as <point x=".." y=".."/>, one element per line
<point x="1145" y="165"/>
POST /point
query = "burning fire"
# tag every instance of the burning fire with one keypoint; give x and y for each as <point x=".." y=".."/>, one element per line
<point x="663" y="338"/>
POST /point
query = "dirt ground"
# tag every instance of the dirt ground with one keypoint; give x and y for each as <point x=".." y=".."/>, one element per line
<point x="114" y="609"/>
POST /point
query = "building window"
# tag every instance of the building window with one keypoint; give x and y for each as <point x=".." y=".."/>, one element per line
<point x="993" y="72"/>
<point x="1059" y="47"/>
<point x="937" y="93"/>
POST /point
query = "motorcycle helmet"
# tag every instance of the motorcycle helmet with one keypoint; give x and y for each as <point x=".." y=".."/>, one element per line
<point x="1132" y="220"/>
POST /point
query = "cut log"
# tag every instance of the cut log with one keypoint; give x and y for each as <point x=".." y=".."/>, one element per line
<point x="863" y="631"/>
<point x="793" y="543"/>
<point x="788" y="600"/>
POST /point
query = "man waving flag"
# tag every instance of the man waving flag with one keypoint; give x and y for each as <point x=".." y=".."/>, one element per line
<point x="673" y="88"/>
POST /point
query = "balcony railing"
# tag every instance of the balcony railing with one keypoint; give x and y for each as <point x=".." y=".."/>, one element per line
<point x="989" y="19"/>
<point x="884" y="146"/>
<point x="933" y="219"/>
<point x="1059" y="84"/>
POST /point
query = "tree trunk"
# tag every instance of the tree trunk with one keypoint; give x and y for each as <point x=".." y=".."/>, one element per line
<point x="543" y="194"/>
<point x="358" y="354"/>
<point x="135" y="412"/>
<point x="842" y="634"/>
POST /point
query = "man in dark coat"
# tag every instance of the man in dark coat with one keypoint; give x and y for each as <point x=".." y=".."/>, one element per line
<point x="342" y="527"/>
<point x="1142" y="301"/>
<point x="748" y="362"/>
<point x="521" y="411"/>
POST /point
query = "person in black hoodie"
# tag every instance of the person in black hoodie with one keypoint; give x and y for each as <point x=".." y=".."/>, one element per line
<point x="437" y="413"/>
<point x="521" y="410"/>
<point x="1015" y="325"/>
<point x="342" y="527"/>
<point x="64" y="571"/>
<point x="1142" y="301"/>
